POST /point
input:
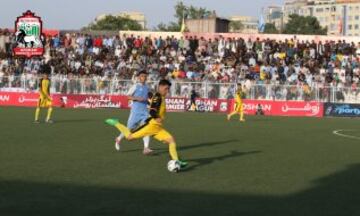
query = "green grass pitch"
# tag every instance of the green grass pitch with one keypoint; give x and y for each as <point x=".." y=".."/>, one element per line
<point x="268" y="166"/>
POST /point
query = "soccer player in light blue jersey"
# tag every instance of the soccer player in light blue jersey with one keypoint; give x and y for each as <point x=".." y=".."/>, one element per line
<point x="139" y="113"/>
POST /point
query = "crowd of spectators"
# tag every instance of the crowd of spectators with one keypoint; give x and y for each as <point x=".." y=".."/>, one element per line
<point x="218" y="60"/>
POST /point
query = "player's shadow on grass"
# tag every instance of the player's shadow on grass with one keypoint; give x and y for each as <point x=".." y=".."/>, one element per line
<point x="164" y="149"/>
<point x="337" y="194"/>
<point x="207" y="144"/>
<point x="209" y="160"/>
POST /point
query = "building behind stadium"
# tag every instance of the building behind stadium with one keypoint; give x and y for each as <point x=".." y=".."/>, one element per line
<point x="341" y="17"/>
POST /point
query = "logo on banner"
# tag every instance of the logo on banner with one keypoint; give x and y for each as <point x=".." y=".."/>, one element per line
<point x="345" y="110"/>
<point x="28" y="35"/>
<point x="175" y="104"/>
<point x="223" y="106"/>
<point x="23" y="99"/>
<point x="307" y="108"/>
<point x="328" y="110"/>
<point x="4" y="98"/>
<point x="97" y="102"/>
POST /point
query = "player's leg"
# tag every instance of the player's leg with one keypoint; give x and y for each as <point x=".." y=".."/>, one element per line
<point x="37" y="114"/>
<point x="241" y="111"/>
<point x="133" y="122"/>
<point x="234" y="112"/>
<point x="144" y="130"/>
<point x="122" y="128"/>
<point x="37" y="111"/>
<point x="118" y="141"/>
<point x="147" y="150"/>
<point x="130" y="124"/>
<point x="50" y="109"/>
<point x="143" y="121"/>
<point x="166" y="137"/>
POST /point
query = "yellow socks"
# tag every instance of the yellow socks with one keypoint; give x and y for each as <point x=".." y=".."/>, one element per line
<point x="173" y="152"/>
<point x="48" y="117"/>
<point x="123" y="129"/>
<point x="37" y="113"/>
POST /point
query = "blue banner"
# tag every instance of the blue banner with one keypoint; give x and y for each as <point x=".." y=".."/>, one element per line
<point x="342" y="110"/>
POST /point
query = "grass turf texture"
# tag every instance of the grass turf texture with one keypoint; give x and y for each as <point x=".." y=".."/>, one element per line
<point x="266" y="166"/>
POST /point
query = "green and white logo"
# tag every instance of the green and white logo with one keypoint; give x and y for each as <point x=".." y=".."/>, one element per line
<point x="29" y="38"/>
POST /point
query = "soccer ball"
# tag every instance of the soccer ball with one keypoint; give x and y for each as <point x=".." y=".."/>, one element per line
<point x="173" y="166"/>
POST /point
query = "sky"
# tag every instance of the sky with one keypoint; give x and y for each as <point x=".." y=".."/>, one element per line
<point x="74" y="14"/>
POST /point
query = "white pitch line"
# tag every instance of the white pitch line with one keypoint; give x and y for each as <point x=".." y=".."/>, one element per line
<point x="338" y="133"/>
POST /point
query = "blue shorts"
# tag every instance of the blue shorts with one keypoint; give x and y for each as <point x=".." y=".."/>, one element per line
<point x="136" y="119"/>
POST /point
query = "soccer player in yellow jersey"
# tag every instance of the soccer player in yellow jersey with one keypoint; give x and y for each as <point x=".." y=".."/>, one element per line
<point x="238" y="105"/>
<point x="153" y="126"/>
<point x="45" y="100"/>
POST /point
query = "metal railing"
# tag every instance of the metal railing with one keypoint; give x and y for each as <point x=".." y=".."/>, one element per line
<point x="101" y="85"/>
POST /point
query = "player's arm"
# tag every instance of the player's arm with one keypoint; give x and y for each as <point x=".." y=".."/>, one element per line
<point x="48" y="91"/>
<point x="155" y="107"/>
<point x="131" y="96"/>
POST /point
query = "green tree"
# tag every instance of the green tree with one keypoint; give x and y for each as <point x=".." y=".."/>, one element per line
<point x="236" y="26"/>
<point x="161" y="27"/>
<point x="180" y="12"/>
<point x="197" y="13"/>
<point x="115" y="23"/>
<point x="190" y="12"/>
<point x="270" y="28"/>
<point x="306" y="25"/>
<point x="183" y="11"/>
<point x="171" y="27"/>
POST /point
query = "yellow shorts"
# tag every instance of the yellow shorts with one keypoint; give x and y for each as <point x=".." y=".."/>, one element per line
<point x="152" y="128"/>
<point x="44" y="102"/>
<point x="238" y="107"/>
